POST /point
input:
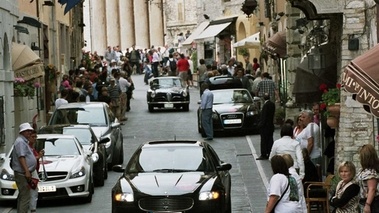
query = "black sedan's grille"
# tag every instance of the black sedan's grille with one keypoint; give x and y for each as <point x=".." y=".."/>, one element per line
<point x="232" y="120"/>
<point x="52" y="176"/>
<point x="166" y="204"/>
<point x="168" y="97"/>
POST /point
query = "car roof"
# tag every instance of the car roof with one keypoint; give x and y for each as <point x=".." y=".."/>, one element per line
<point x="45" y="136"/>
<point x="224" y="82"/>
<point x="82" y="105"/>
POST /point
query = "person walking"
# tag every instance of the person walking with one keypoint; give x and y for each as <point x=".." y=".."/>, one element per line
<point x="206" y="111"/>
<point x="62" y="100"/>
<point x="23" y="163"/>
<point x="346" y="196"/>
<point x="368" y="178"/>
<point x="135" y="59"/>
<point x="266" y="85"/>
<point x="183" y="66"/>
<point x="280" y="188"/>
<point x="287" y="145"/>
<point x="266" y="125"/>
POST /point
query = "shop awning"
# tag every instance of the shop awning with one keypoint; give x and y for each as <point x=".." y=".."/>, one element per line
<point x="213" y="30"/>
<point x="361" y="78"/>
<point x="25" y="63"/>
<point x="30" y="21"/>
<point x="196" y="33"/>
<point x="276" y="44"/>
<point x="252" y="41"/>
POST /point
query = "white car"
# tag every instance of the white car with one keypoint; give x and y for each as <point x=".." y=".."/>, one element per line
<point x="65" y="170"/>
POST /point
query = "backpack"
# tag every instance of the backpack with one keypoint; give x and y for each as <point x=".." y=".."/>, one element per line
<point x="173" y="65"/>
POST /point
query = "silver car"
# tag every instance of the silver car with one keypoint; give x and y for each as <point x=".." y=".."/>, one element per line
<point x="65" y="170"/>
<point x="102" y="121"/>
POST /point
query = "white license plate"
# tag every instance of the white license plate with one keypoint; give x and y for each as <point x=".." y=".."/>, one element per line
<point x="168" y="105"/>
<point x="233" y="121"/>
<point x="47" y="189"/>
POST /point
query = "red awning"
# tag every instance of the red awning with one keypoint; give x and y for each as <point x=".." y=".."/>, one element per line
<point x="361" y="78"/>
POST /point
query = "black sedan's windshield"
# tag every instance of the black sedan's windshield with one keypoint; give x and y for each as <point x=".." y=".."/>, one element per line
<point x="170" y="159"/>
<point x="94" y="116"/>
<point x="231" y="96"/>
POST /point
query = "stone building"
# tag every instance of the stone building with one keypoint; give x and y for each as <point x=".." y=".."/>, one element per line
<point x="34" y="34"/>
<point x="123" y="23"/>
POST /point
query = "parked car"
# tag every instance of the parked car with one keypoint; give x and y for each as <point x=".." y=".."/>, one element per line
<point x="102" y="121"/>
<point x="160" y="178"/>
<point x="168" y="93"/>
<point x="65" y="170"/>
<point x="234" y="110"/>
<point x="90" y="143"/>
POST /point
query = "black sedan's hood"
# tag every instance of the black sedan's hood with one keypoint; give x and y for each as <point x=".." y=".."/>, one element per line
<point x="169" y="183"/>
<point x="231" y="108"/>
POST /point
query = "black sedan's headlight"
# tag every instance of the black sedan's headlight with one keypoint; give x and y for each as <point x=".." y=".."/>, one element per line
<point x="211" y="195"/>
<point x="124" y="197"/>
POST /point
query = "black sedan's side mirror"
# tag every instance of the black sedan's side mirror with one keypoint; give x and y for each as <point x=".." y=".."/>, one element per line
<point x="104" y="140"/>
<point x="118" y="168"/>
<point x="224" y="167"/>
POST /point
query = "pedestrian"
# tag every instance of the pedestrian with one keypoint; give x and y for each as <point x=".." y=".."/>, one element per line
<point x="292" y="170"/>
<point x="310" y="170"/>
<point x="155" y="63"/>
<point x="34" y="192"/>
<point x="287" y="145"/>
<point x="249" y="67"/>
<point x="183" y="66"/>
<point x="367" y="179"/>
<point x="171" y="65"/>
<point x="104" y="96"/>
<point x="298" y="128"/>
<point x="23" y="163"/>
<point x="62" y="100"/>
<point x="135" y="59"/>
<point x="267" y="85"/>
<point x="266" y="126"/>
<point x="114" y="93"/>
<point x="124" y="85"/>
<point x="256" y="66"/>
<point x="190" y="70"/>
<point x="310" y="136"/>
<point x="346" y="196"/>
<point x="282" y="185"/>
<point x="206" y="111"/>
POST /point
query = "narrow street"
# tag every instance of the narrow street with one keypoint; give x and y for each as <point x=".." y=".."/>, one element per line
<point x="249" y="177"/>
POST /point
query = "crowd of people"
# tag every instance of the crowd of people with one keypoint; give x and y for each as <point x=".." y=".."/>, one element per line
<point x="299" y="149"/>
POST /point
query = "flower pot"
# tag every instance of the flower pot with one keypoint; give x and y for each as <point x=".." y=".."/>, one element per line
<point x="334" y="110"/>
<point x="332" y="122"/>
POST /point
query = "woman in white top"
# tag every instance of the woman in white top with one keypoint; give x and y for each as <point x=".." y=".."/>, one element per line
<point x="309" y="138"/>
<point x="278" y="199"/>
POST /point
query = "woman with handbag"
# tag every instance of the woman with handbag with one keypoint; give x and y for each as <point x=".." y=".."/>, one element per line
<point x="279" y="190"/>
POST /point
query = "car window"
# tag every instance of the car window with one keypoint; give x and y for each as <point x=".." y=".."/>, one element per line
<point x="61" y="146"/>
<point x="170" y="159"/>
<point x="94" y="116"/>
<point x="84" y="136"/>
<point x="166" y="83"/>
<point x="231" y="96"/>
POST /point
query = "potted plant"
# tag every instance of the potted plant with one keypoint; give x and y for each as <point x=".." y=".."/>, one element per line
<point x="280" y="115"/>
<point x="22" y="88"/>
<point x="330" y="100"/>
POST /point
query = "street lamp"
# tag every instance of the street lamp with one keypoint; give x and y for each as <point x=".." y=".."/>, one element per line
<point x="316" y="59"/>
<point x="248" y="7"/>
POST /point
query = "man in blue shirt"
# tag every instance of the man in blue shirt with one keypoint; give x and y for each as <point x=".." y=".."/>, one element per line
<point x="206" y="111"/>
<point x="23" y="164"/>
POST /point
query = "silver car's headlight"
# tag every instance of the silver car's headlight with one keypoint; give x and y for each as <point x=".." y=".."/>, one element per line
<point x="209" y="195"/>
<point x="152" y="94"/>
<point x="79" y="173"/>
<point x="124" y="197"/>
<point x="4" y="175"/>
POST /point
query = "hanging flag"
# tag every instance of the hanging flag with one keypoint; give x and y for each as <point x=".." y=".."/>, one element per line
<point x="69" y="4"/>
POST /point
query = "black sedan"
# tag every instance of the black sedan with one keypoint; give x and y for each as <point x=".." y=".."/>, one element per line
<point x="233" y="110"/>
<point x="168" y="93"/>
<point x="173" y="176"/>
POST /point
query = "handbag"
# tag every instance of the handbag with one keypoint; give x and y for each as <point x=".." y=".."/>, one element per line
<point x="273" y="209"/>
<point x="33" y="183"/>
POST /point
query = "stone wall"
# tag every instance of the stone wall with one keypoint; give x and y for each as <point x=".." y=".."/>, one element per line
<point x="356" y="126"/>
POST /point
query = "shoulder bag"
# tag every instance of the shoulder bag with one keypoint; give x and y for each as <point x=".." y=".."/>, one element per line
<point x="273" y="209"/>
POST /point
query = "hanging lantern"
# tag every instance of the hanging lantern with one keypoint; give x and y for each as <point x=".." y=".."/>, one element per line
<point x="248" y="7"/>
